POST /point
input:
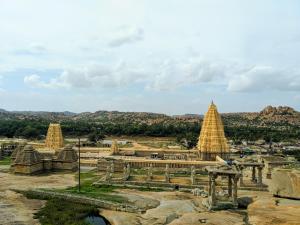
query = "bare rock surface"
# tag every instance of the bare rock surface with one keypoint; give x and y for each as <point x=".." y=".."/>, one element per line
<point x="15" y="209"/>
<point x="275" y="211"/>
<point x="285" y="183"/>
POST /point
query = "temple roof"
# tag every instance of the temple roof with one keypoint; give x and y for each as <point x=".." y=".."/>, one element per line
<point x="68" y="154"/>
<point x="212" y="138"/>
<point x="28" y="156"/>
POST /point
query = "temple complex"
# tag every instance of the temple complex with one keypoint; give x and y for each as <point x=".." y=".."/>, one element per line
<point x="212" y="141"/>
<point x="54" y="139"/>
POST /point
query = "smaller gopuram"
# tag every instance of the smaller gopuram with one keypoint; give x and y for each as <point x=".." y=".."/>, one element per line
<point x="212" y="141"/>
<point x="54" y="139"/>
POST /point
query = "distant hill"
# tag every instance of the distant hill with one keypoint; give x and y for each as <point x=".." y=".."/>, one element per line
<point x="269" y="116"/>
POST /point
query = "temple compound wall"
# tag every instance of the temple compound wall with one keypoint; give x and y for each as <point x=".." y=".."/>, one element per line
<point x="27" y="160"/>
<point x="119" y="164"/>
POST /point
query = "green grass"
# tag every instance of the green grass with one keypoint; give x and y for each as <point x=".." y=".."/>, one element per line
<point x="104" y="192"/>
<point x="5" y="161"/>
<point x="65" y="213"/>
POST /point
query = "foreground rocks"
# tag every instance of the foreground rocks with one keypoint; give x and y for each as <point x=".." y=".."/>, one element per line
<point x="269" y="210"/>
<point x="15" y="209"/>
<point x="285" y="183"/>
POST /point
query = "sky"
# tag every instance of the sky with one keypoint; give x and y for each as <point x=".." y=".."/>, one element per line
<point x="170" y="56"/>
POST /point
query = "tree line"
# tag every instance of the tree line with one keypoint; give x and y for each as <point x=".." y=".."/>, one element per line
<point x="37" y="129"/>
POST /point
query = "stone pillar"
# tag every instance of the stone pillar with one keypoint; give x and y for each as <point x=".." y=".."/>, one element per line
<point x="108" y="174"/>
<point x="259" y="176"/>
<point x="242" y="177"/>
<point x="235" y="188"/>
<point x="209" y="184"/>
<point x="213" y="190"/>
<point x="128" y="170"/>
<point x="193" y="175"/>
<point x="149" y="177"/>
<point x="253" y="174"/>
<point x="124" y="172"/>
<point x="229" y="186"/>
<point x="112" y="167"/>
<point x="167" y="174"/>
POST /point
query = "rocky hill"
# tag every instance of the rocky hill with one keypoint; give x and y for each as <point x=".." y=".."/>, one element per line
<point x="269" y="116"/>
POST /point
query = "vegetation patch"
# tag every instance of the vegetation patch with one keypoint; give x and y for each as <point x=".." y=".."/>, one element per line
<point x="104" y="192"/>
<point x="5" y="161"/>
<point x="65" y="213"/>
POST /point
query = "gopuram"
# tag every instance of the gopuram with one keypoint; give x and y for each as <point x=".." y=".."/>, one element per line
<point x="54" y="139"/>
<point x="212" y="141"/>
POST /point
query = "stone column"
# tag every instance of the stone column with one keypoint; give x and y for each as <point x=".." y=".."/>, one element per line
<point x="149" y="178"/>
<point x="209" y="184"/>
<point x="235" y="188"/>
<point x="242" y="177"/>
<point x="108" y="174"/>
<point x="259" y="176"/>
<point x="213" y="191"/>
<point x="193" y="173"/>
<point x="253" y="174"/>
<point x="112" y="167"/>
<point x="124" y="173"/>
<point x="167" y="175"/>
<point x="229" y="186"/>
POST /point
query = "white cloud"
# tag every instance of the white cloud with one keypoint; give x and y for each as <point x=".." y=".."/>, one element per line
<point x="35" y="81"/>
<point x="173" y="74"/>
<point x="126" y="35"/>
<point x="260" y="78"/>
<point x="92" y="75"/>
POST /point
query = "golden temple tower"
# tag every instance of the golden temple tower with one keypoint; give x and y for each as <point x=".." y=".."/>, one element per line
<point x="114" y="148"/>
<point x="212" y="140"/>
<point x="54" y="139"/>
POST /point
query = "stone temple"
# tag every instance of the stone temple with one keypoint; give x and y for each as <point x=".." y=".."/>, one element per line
<point x="212" y="141"/>
<point x="28" y="160"/>
<point x="54" y="139"/>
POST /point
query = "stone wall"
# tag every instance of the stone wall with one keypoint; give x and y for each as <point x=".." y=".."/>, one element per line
<point x="28" y="169"/>
<point x="61" y="165"/>
<point x="40" y="194"/>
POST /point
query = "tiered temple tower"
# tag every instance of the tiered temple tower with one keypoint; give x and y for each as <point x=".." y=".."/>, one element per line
<point x="54" y="139"/>
<point x="114" y="148"/>
<point x="212" y="140"/>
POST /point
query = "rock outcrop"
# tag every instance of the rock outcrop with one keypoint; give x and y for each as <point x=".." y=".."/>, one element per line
<point x="286" y="183"/>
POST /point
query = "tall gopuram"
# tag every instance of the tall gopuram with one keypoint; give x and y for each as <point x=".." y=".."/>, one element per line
<point x="54" y="139"/>
<point x="212" y="141"/>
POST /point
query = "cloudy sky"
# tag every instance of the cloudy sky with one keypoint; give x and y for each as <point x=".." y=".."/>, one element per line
<point x="170" y="56"/>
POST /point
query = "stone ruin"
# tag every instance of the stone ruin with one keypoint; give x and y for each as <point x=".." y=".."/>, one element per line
<point x="228" y="200"/>
<point x="54" y="138"/>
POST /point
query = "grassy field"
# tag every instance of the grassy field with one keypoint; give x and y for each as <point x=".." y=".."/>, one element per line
<point x="5" y="161"/>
